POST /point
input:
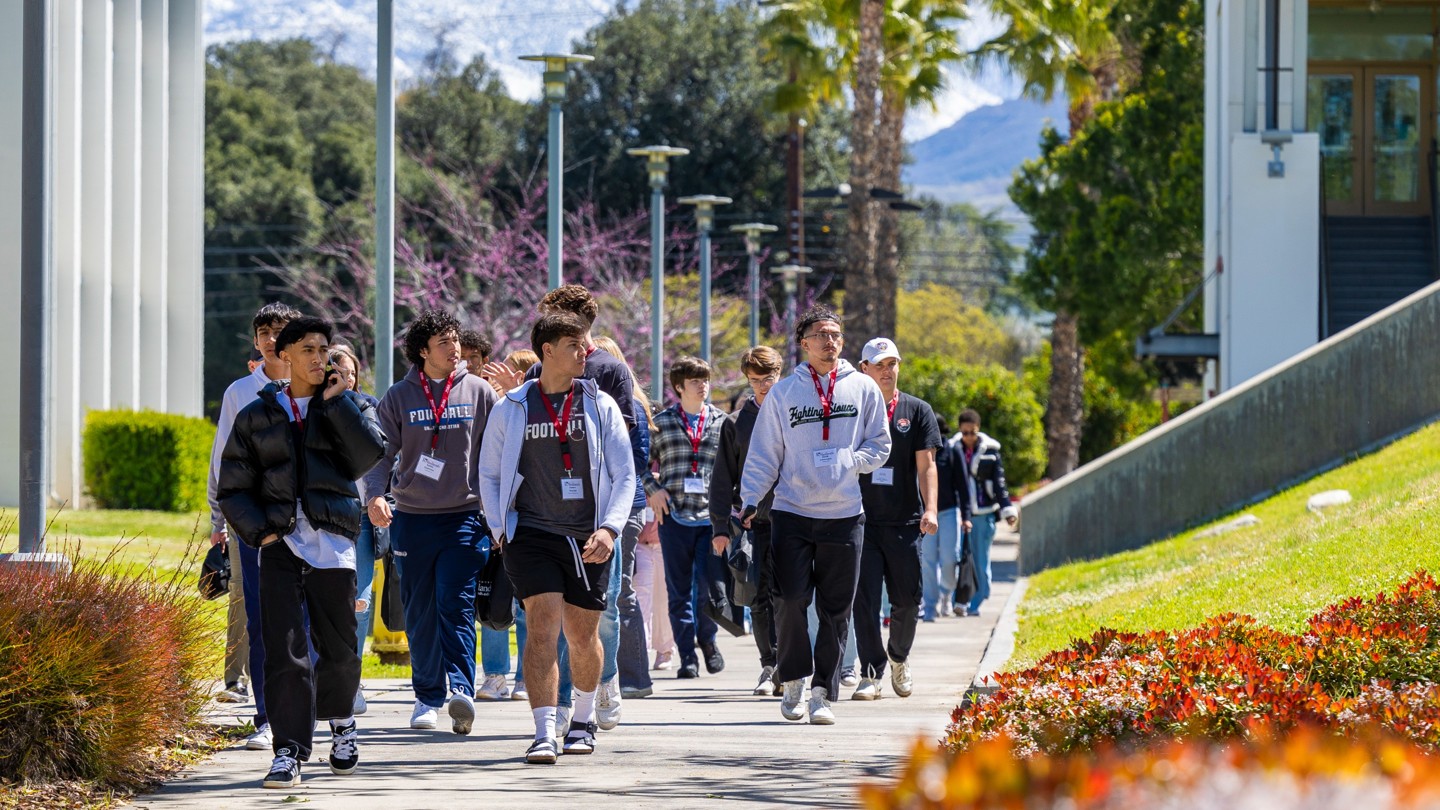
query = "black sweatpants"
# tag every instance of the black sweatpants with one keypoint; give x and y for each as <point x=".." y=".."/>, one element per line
<point x="297" y="693"/>
<point x="762" y="610"/>
<point x="814" y="558"/>
<point x="891" y="557"/>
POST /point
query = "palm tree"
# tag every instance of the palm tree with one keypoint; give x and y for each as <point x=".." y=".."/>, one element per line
<point x="1054" y="46"/>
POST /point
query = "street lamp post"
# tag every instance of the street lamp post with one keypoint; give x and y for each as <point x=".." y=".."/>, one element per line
<point x="704" y="221"/>
<point x="657" y="163"/>
<point x="556" y="73"/>
<point x="752" y="231"/>
<point x="790" y="275"/>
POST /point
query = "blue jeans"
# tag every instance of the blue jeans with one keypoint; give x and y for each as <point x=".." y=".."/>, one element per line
<point x="494" y="651"/>
<point x="250" y="582"/>
<point x="981" y="536"/>
<point x="939" y="554"/>
<point x="688" y="574"/>
<point x="364" y="582"/>
<point x="439" y="557"/>
<point x="849" y="656"/>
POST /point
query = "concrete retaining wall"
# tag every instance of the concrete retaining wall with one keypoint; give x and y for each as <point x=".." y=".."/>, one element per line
<point x="1350" y="394"/>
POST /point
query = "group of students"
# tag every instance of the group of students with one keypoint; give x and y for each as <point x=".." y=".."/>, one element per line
<point x="844" y="485"/>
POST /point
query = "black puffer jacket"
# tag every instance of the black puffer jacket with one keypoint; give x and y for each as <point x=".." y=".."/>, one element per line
<point x="261" y="476"/>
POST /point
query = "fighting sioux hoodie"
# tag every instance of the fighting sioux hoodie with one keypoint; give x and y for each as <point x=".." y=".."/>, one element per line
<point x="789" y="431"/>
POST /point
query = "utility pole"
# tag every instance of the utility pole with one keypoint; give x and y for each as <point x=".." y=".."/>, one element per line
<point x="556" y="74"/>
<point x="36" y="273"/>
<point x="384" y="197"/>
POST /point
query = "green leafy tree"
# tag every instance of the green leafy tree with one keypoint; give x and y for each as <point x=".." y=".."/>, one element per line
<point x="1007" y="407"/>
<point x="461" y="120"/>
<point x="936" y="321"/>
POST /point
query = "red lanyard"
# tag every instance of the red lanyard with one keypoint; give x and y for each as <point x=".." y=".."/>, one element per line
<point x="826" y="400"/>
<point x="890" y="409"/>
<point x="295" y="409"/>
<point x="439" y="410"/>
<point x="561" y="421"/>
<point x="695" y="436"/>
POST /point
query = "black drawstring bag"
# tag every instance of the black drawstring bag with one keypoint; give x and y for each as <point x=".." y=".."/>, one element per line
<point x="967" y="578"/>
<point x="392" y="607"/>
<point x="494" y="595"/>
<point x="215" y="573"/>
<point x="740" y="559"/>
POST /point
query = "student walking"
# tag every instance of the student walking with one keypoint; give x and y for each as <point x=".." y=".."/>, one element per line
<point x="900" y="507"/>
<point x="287" y="485"/>
<point x="940" y="552"/>
<point x="988" y="496"/>
<point x="761" y="366"/>
<point x="686" y="444"/>
<point x="557" y="476"/>
<point x="266" y="326"/>
<point x="819" y="429"/>
<point x="433" y="421"/>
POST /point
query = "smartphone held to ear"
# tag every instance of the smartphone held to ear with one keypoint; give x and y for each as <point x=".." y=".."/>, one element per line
<point x="331" y="376"/>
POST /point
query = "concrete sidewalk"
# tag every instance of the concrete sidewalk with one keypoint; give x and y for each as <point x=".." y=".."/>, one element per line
<point x="701" y="743"/>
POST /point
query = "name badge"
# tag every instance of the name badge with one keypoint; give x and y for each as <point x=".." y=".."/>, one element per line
<point x="695" y="485"/>
<point x="430" y="467"/>
<point x="827" y="457"/>
<point x="572" y="489"/>
<point x="885" y="477"/>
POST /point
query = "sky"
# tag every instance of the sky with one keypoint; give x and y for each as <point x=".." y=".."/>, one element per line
<point x="503" y="30"/>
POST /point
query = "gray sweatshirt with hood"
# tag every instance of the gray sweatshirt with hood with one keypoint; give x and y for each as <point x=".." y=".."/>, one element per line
<point x="789" y="430"/>
<point x="408" y="423"/>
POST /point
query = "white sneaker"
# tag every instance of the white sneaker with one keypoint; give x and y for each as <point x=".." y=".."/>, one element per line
<point x="944" y="608"/>
<point x="424" y="717"/>
<point x="766" y="685"/>
<point x="848" y="677"/>
<point x="790" y="700"/>
<point x="820" y="714"/>
<point x="261" y="740"/>
<point x="360" y="706"/>
<point x="869" y="689"/>
<point x="461" y="708"/>
<point x="607" y="704"/>
<point x="495" y="687"/>
<point x="519" y="692"/>
<point x="900" y="678"/>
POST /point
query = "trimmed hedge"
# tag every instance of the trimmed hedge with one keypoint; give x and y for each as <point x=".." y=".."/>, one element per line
<point x="1008" y="410"/>
<point x="147" y="460"/>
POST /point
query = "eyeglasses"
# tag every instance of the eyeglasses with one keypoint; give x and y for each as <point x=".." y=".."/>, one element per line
<point x="827" y="337"/>
<point x="766" y="380"/>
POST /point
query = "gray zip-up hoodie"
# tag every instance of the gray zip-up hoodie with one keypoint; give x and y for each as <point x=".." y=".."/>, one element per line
<point x="789" y="431"/>
<point x="607" y="437"/>
<point x="408" y="422"/>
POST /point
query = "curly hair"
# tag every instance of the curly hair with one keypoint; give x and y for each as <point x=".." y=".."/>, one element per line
<point x="573" y="298"/>
<point x="430" y="323"/>
<point x="812" y="316"/>
<point x="473" y="341"/>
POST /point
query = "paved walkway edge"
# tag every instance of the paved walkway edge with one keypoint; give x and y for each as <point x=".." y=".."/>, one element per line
<point x="1001" y="645"/>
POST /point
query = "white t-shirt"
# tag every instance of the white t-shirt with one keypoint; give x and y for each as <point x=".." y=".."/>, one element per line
<point x="317" y="547"/>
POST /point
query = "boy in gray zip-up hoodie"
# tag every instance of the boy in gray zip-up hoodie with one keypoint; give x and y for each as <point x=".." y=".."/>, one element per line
<point x="817" y="431"/>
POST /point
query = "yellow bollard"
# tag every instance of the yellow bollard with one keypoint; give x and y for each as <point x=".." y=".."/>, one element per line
<point x="391" y="646"/>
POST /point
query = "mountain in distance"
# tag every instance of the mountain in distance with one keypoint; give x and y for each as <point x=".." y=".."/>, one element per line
<point x="974" y="159"/>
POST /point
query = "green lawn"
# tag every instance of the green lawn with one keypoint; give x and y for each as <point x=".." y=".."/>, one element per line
<point x="140" y="540"/>
<point x="1280" y="571"/>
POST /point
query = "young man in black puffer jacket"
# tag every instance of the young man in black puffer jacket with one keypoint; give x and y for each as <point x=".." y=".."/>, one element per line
<point x="287" y="487"/>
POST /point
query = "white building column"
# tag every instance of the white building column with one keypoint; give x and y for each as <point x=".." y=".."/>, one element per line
<point x="126" y="268"/>
<point x="66" y="476"/>
<point x="11" y="93"/>
<point x="97" y="195"/>
<point x="152" y="356"/>
<point x="186" y="254"/>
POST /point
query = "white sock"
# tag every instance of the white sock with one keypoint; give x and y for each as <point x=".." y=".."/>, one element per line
<point x="544" y="722"/>
<point x="349" y="721"/>
<point x="584" y="706"/>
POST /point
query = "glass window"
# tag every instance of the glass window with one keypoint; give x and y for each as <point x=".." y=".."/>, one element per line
<point x="1390" y="34"/>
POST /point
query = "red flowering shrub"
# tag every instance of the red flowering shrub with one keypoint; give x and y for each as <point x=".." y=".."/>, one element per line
<point x="1359" y="664"/>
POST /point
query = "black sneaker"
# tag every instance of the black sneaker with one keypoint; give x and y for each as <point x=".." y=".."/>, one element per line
<point x="284" y="770"/>
<point x="344" y="749"/>
<point x="714" y="661"/>
<point x="689" y="669"/>
<point x="580" y="739"/>
<point x="542" y="752"/>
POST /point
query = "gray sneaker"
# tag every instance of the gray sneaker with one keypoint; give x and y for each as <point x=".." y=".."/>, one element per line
<point x="820" y="714"/>
<point x="790" y="701"/>
<point x="766" y="685"/>
<point x="607" y="704"/>
<point x="900" y="678"/>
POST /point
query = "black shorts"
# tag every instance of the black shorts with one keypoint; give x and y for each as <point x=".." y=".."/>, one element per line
<point x="540" y="562"/>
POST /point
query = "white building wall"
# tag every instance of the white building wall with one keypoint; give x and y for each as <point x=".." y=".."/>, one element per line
<point x="128" y="207"/>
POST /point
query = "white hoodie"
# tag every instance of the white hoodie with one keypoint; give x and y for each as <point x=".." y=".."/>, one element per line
<point x="789" y="431"/>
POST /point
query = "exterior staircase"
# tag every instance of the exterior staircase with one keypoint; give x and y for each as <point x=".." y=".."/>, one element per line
<point x="1372" y="262"/>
